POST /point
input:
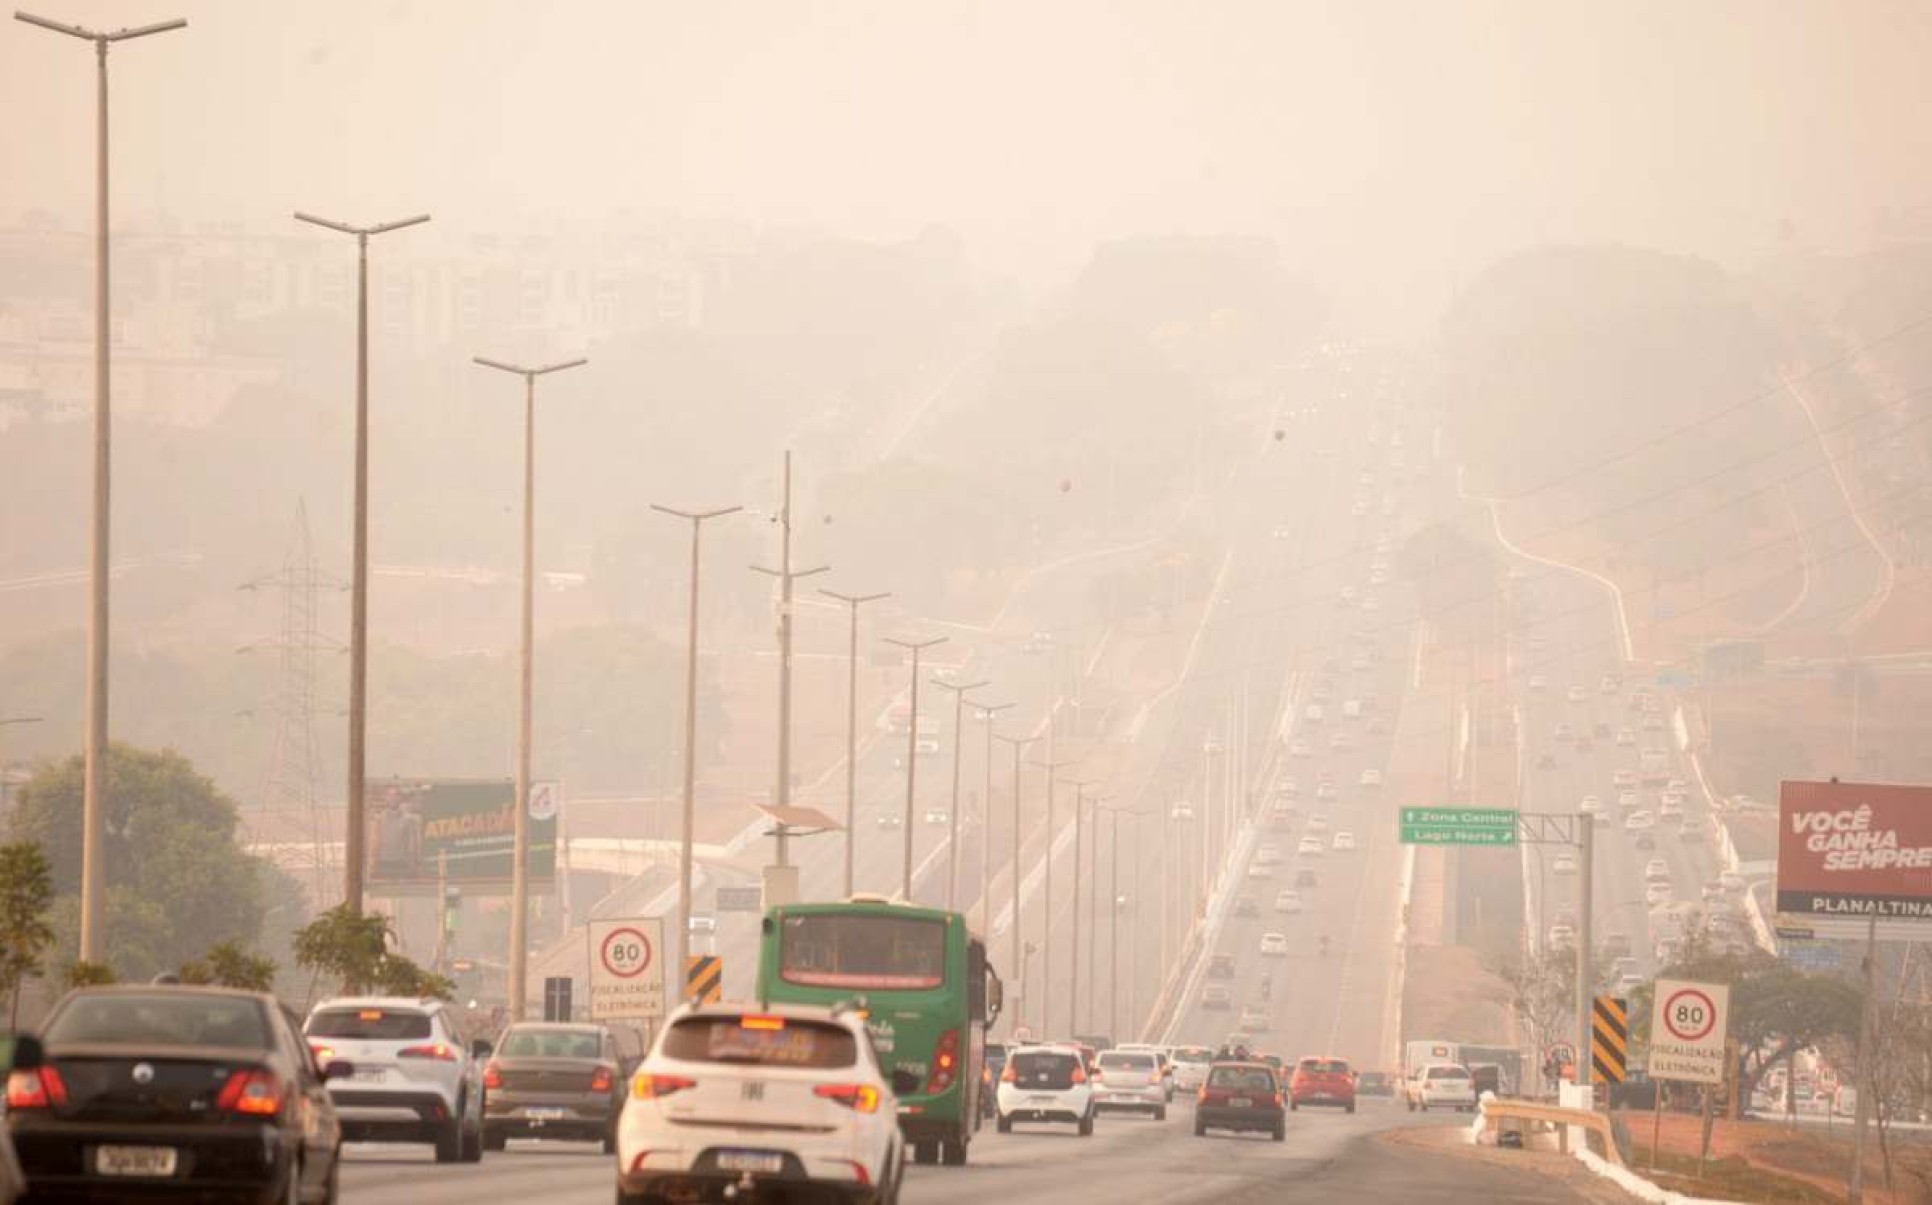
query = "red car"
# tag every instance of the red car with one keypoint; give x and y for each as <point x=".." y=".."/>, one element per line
<point x="1322" y="1081"/>
<point x="1239" y="1096"/>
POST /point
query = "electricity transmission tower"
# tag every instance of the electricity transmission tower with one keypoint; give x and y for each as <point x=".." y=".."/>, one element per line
<point x="289" y="799"/>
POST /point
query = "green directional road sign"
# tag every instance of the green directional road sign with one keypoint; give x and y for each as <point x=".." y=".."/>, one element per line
<point x="1458" y="826"/>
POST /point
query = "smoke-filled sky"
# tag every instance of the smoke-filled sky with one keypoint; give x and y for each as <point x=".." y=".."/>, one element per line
<point x="1377" y="141"/>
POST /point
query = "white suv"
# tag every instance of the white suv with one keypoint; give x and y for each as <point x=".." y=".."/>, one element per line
<point x="1045" y="1083"/>
<point x="732" y="1096"/>
<point x="416" y="1079"/>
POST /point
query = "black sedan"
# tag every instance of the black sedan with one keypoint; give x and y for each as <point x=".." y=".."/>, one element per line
<point x="174" y="1092"/>
<point x="550" y="1080"/>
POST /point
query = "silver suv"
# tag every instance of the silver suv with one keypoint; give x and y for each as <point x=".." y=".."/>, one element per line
<point x="415" y="1080"/>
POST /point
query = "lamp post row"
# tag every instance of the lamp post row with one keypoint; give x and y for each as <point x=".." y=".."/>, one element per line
<point x="93" y="887"/>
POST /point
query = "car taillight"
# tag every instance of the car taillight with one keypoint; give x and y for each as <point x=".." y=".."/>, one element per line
<point x="1277" y="1100"/>
<point x="645" y="1086"/>
<point x="442" y="1052"/>
<point x="256" y="1092"/>
<point x="945" y="1063"/>
<point x="601" y="1081"/>
<point x="1079" y="1076"/>
<point x="1207" y="1095"/>
<point x="860" y="1098"/>
<point x="38" y="1089"/>
<point x="493" y="1076"/>
<point x="324" y="1055"/>
<point x="1008" y="1075"/>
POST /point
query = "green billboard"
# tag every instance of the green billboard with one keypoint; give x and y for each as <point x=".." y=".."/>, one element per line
<point x="419" y="829"/>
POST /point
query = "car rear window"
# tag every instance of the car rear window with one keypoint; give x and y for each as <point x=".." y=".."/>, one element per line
<point x="1324" y="1066"/>
<point x="1447" y="1073"/>
<point x="160" y="1019"/>
<point x="1127" y="1061"/>
<point x="369" y="1024"/>
<point x="1044" y="1068"/>
<point x="550" y="1044"/>
<point x="764" y="1040"/>
<point x="1193" y="1054"/>
<point x="1242" y="1079"/>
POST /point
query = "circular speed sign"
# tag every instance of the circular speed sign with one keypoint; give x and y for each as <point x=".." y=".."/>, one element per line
<point x="1689" y="1015"/>
<point x="626" y="953"/>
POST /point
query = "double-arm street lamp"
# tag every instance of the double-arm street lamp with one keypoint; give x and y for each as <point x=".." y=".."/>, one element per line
<point x="915" y="647"/>
<point x="520" y="867"/>
<point x="354" y="860"/>
<point x="960" y="691"/>
<point x="93" y="903"/>
<point x="697" y="520"/>
<point x="988" y="713"/>
<point x="853" y="602"/>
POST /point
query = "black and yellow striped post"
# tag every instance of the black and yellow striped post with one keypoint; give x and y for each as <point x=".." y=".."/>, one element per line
<point x="704" y="978"/>
<point x="1609" y="1039"/>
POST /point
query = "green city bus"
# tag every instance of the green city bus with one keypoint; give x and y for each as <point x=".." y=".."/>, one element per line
<point x="928" y="992"/>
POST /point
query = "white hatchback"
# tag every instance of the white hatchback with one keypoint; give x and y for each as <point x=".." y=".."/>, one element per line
<point x="1309" y="847"/>
<point x="792" y="1095"/>
<point x="1274" y="945"/>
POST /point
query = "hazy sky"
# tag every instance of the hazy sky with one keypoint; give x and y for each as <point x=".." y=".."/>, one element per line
<point x="1373" y="139"/>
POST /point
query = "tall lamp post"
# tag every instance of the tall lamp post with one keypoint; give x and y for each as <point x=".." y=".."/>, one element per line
<point x="354" y="860"/>
<point x="1073" y="913"/>
<point x="915" y="647"/>
<point x="960" y="691"/>
<point x="988" y="713"/>
<point x="1052" y="767"/>
<point x="520" y="856"/>
<point x="93" y="903"/>
<point x="1019" y="744"/>
<point x="785" y="576"/>
<point x="697" y="520"/>
<point x="854" y="602"/>
<point x="1114" y="816"/>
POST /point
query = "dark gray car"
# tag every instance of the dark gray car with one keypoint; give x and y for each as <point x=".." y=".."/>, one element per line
<point x="548" y="1080"/>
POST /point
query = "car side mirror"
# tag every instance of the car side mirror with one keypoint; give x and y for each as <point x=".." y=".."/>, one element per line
<point x="338" y="1069"/>
<point x="28" y="1054"/>
<point x="904" y="1083"/>
<point x="481" y="1049"/>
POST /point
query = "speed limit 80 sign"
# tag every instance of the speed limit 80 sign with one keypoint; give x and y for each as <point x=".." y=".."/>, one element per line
<point x="626" y="968"/>
<point x="1688" y="1024"/>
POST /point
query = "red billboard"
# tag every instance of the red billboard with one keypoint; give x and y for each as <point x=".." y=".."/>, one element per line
<point x="1853" y="852"/>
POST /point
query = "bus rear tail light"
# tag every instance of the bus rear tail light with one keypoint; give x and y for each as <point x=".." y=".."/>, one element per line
<point x="945" y="1063"/>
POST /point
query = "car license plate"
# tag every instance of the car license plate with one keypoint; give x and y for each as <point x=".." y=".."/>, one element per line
<point x="1043" y="1100"/>
<point x="367" y="1077"/>
<point x="1239" y="1102"/>
<point x="134" y="1160"/>
<point x="769" y="1162"/>
<point x="545" y="1114"/>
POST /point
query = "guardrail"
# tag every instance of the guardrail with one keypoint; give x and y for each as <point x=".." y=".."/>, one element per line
<point x="1495" y="1110"/>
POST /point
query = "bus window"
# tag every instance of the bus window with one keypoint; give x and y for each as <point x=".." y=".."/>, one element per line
<point x="863" y="951"/>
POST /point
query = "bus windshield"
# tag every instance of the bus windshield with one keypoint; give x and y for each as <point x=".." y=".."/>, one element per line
<point x="863" y="951"/>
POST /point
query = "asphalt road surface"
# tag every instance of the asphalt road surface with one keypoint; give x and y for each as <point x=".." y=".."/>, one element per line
<point x="1327" y="1157"/>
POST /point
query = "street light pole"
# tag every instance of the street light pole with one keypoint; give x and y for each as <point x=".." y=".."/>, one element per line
<point x="1019" y="744"/>
<point x="854" y="602"/>
<point x="354" y="859"/>
<point x="697" y="520"/>
<point x="786" y="575"/>
<point x="988" y="712"/>
<point x="915" y="647"/>
<point x="1051" y="767"/>
<point x="1073" y="964"/>
<point x="520" y="856"/>
<point x="93" y="903"/>
<point x="959" y="743"/>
